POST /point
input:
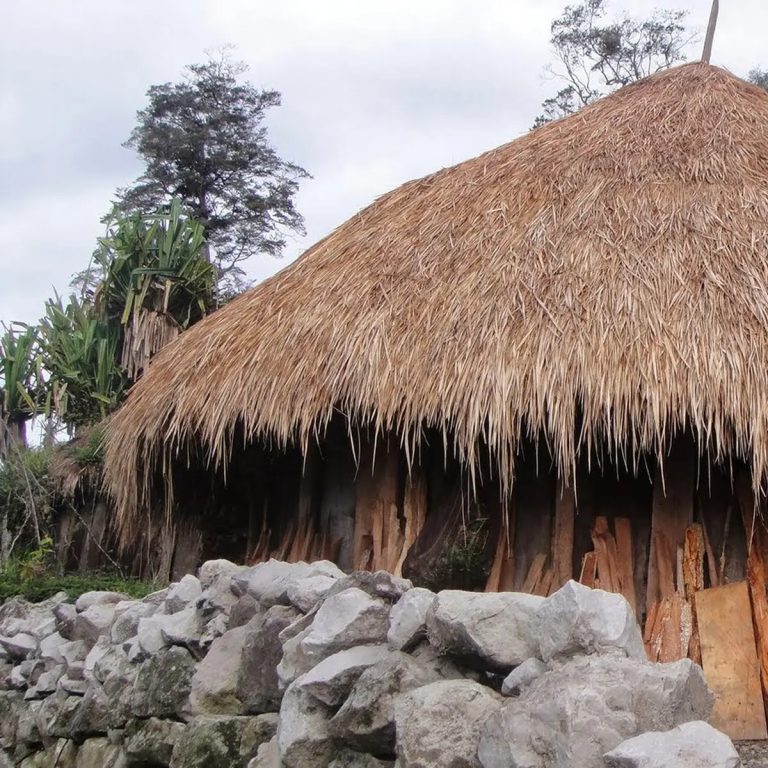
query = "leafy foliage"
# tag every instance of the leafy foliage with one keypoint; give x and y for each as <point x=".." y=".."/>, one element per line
<point x="204" y="139"/>
<point x="598" y="56"/>
<point x="26" y="498"/>
<point x="40" y="584"/>
<point x="155" y="280"/>
<point x="20" y="381"/>
<point x="759" y="77"/>
<point x="80" y="352"/>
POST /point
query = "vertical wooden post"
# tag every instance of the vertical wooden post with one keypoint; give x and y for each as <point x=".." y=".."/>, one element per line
<point x="672" y="513"/>
<point x="414" y="512"/>
<point x="376" y="514"/>
<point x="562" y="534"/>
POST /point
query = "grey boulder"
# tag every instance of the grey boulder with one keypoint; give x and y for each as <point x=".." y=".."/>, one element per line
<point x="579" y="619"/>
<point x="344" y="620"/>
<point x="269" y="582"/>
<point x="257" y="682"/>
<point x="440" y="724"/>
<point x="151" y="742"/>
<point x="584" y="707"/>
<point x="181" y="593"/>
<point x="408" y="619"/>
<point x="88" y="599"/>
<point x="332" y="679"/>
<point x="163" y="684"/>
<point x="366" y="720"/>
<point x="305" y="593"/>
<point x="691" y="745"/>
<point x="521" y="676"/>
<point x="495" y="631"/>
<point x="214" y="684"/>
<point x="303" y="734"/>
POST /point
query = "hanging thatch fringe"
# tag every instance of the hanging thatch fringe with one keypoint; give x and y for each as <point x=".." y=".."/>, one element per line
<point x="602" y="280"/>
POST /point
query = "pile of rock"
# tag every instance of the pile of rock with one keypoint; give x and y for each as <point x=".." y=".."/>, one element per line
<point x="301" y="665"/>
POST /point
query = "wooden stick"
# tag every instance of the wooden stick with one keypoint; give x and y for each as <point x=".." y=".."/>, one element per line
<point x="562" y="535"/>
<point x="693" y="581"/>
<point x="714" y="581"/>
<point x="625" y="561"/>
<point x="534" y="573"/>
<point x="606" y="564"/>
<point x="545" y="583"/>
<point x="588" y="573"/>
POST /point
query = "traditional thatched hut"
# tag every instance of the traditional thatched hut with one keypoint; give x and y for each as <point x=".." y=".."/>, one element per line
<point x="584" y="309"/>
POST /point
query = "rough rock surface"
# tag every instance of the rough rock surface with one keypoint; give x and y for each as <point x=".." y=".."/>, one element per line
<point x="586" y="706"/>
<point x="303" y="735"/>
<point x="214" y="684"/>
<point x="525" y="674"/>
<point x="408" y="619"/>
<point x="257" y="683"/>
<point x="440" y="724"/>
<point x="346" y="619"/>
<point x="269" y="582"/>
<point x="163" y="684"/>
<point x="366" y="721"/>
<point x="332" y="679"/>
<point x="691" y="745"/>
<point x="497" y="631"/>
<point x="293" y="664"/>
<point x="579" y="619"/>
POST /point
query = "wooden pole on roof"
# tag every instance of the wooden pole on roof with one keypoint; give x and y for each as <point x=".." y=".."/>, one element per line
<point x="707" y="53"/>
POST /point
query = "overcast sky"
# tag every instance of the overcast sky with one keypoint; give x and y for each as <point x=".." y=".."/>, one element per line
<point x="374" y="93"/>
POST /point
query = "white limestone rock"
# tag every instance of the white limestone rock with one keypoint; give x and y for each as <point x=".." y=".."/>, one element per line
<point x="691" y="745"/>
<point x="521" y="676"/>
<point x="307" y="592"/>
<point x="214" y="684"/>
<point x="182" y="593"/>
<point x="408" y="619"/>
<point x="440" y="724"/>
<point x="303" y="735"/>
<point x="579" y="619"/>
<point x="344" y="620"/>
<point x="89" y="599"/>
<point x="494" y="631"/>
<point x="269" y="582"/>
<point x="20" y="646"/>
<point x="332" y="679"/>
<point x="162" y="630"/>
<point x="51" y="648"/>
<point x="585" y="706"/>
<point x="96" y="620"/>
<point x="366" y="720"/>
<point x="127" y="615"/>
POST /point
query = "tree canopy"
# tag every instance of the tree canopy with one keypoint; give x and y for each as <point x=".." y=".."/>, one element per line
<point x="596" y="55"/>
<point x="204" y="139"/>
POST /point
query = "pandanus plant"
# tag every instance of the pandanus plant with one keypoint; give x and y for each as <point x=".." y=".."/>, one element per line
<point x="20" y="382"/>
<point x="156" y="280"/>
<point x="79" y="352"/>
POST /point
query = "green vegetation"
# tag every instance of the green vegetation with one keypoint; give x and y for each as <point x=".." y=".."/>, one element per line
<point x="44" y="585"/>
<point x="204" y="138"/>
<point x="19" y="382"/>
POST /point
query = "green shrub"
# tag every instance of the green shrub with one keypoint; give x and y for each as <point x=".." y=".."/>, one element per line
<point x="41" y="586"/>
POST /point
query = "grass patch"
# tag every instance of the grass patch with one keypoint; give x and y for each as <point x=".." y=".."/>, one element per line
<point x="41" y="586"/>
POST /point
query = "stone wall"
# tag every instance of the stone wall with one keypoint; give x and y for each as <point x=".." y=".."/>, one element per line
<point x="303" y="666"/>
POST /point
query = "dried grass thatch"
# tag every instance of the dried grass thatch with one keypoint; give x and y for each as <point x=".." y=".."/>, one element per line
<point x="602" y="279"/>
<point x="74" y="467"/>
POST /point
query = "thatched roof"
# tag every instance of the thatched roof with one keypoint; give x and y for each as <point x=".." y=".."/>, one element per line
<point x="603" y="278"/>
